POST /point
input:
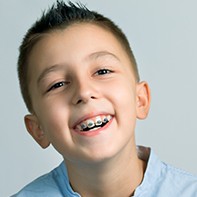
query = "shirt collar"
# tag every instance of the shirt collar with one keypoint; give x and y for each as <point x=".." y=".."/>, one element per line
<point x="153" y="169"/>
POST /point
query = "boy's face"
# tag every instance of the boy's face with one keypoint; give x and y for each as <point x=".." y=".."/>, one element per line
<point x="80" y="76"/>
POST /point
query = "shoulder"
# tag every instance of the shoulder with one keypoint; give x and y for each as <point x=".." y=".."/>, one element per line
<point x="46" y="185"/>
<point x="178" y="179"/>
<point x="172" y="181"/>
<point x="162" y="179"/>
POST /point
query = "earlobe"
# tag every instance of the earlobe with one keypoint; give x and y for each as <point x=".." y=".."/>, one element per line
<point x="143" y="100"/>
<point x="34" y="129"/>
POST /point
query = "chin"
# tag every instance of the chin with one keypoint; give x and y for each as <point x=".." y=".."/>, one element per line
<point x="101" y="155"/>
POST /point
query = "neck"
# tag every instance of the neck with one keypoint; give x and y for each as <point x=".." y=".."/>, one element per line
<point x="118" y="176"/>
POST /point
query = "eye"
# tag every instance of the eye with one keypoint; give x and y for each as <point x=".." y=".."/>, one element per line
<point x="57" y="85"/>
<point x="103" y="71"/>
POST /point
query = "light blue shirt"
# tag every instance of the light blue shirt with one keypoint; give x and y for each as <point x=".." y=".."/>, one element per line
<point x="160" y="180"/>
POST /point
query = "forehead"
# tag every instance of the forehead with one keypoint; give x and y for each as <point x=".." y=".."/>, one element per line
<point x="72" y="45"/>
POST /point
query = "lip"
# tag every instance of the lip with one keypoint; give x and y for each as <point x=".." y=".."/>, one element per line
<point x="94" y="132"/>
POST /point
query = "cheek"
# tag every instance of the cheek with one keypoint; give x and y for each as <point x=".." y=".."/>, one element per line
<point x="53" y="117"/>
<point x="123" y="95"/>
<point x="123" y="98"/>
<point x="55" y="126"/>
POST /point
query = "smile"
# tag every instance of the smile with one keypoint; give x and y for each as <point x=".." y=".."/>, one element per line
<point x="93" y="123"/>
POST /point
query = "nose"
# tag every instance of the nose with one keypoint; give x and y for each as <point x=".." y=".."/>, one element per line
<point x="84" y="91"/>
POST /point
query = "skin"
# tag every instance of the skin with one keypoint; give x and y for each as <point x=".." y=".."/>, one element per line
<point x="93" y="76"/>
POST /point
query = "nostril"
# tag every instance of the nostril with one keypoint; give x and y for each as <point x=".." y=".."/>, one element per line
<point x="85" y="99"/>
<point x="79" y="101"/>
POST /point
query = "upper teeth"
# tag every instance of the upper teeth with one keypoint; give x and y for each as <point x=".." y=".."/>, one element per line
<point x="90" y="123"/>
<point x="98" y="120"/>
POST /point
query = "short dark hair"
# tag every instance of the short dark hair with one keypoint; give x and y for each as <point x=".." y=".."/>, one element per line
<point x="60" y="16"/>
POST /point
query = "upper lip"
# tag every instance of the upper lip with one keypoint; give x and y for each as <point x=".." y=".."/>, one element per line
<point x="89" y="116"/>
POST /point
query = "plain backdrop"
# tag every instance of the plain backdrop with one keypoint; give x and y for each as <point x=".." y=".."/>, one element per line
<point x="163" y="35"/>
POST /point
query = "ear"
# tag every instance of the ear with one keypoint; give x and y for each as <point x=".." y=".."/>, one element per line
<point x="143" y="100"/>
<point x="33" y="127"/>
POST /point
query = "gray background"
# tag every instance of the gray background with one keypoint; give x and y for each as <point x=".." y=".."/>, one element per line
<point x="163" y="35"/>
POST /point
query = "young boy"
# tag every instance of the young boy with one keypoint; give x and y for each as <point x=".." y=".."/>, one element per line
<point x="80" y="83"/>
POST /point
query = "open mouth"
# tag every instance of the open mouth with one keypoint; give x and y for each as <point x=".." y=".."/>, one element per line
<point x="94" y="123"/>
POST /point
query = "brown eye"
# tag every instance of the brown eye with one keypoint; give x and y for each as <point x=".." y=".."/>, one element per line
<point x="56" y="85"/>
<point x="103" y="72"/>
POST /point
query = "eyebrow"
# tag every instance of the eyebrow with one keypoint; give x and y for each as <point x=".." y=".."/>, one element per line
<point x="100" y="54"/>
<point x="56" y="67"/>
<point x="48" y="70"/>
